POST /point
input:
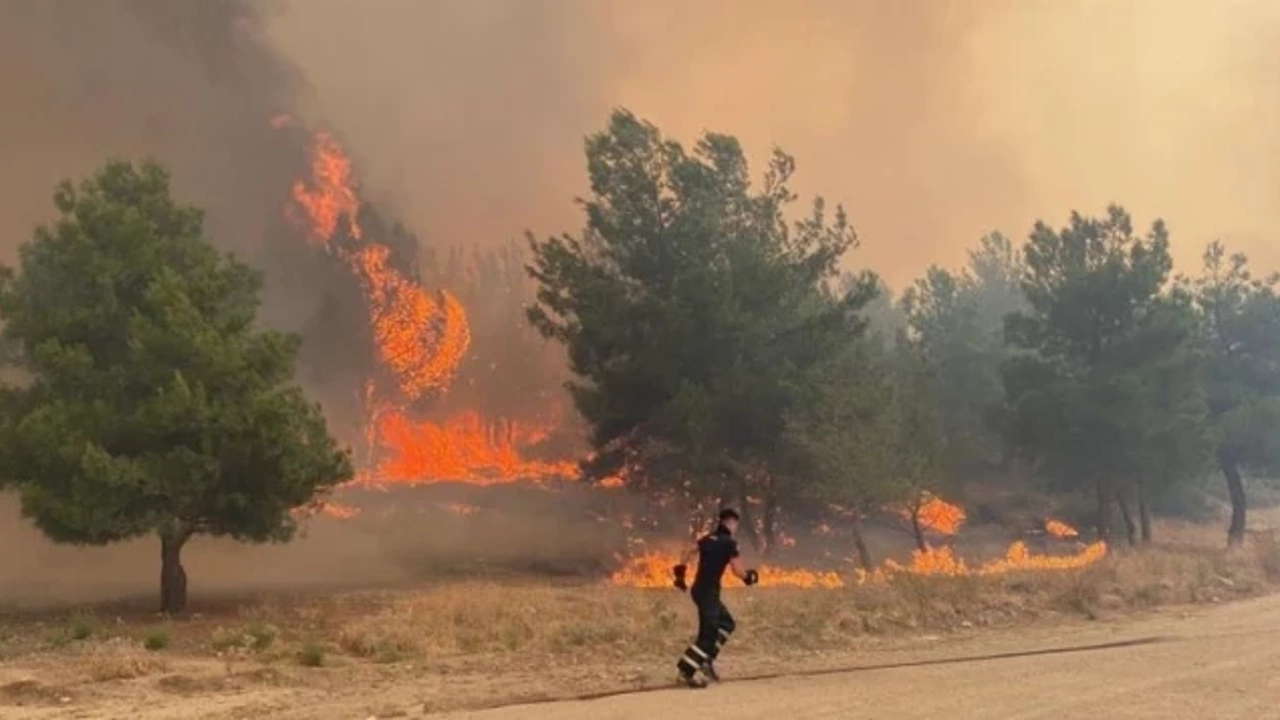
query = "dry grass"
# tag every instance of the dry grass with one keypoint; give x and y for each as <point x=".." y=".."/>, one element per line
<point x="530" y="628"/>
<point x="118" y="659"/>
<point x="529" y="621"/>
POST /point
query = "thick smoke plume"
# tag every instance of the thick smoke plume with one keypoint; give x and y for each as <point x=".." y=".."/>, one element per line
<point x="934" y="121"/>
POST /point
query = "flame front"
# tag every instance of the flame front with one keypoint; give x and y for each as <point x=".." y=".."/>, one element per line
<point x="464" y="449"/>
<point x="653" y="570"/>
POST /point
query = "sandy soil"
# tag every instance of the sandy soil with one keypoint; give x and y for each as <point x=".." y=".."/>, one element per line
<point x="1220" y="662"/>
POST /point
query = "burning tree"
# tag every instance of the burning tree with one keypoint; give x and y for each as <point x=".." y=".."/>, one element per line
<point x="424" y="344"/>
<point x="694" y="313"/>
<point x="154" y="405"/>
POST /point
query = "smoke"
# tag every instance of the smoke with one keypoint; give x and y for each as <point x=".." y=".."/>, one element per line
<point x="190" y="83"/>
<point x="934" y="122"/>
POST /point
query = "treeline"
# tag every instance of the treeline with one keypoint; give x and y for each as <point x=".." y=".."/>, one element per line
<point x="720" y="354"/>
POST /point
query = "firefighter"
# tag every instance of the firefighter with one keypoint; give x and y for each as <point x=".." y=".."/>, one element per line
<point x="715" y="552"/>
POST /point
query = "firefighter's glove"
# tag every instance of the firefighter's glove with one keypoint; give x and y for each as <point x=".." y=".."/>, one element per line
<point x="679" y="572"/>
<point x="751" y="577"/>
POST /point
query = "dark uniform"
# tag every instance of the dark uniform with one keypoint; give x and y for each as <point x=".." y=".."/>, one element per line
<point x="715" y="624"/>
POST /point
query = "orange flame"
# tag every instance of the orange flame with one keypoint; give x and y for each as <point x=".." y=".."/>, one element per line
<point x="935" y="514"/>
<point x="333" y="510"/>
<point x="653" y="570"/>
<point x="463" y="449"/>
<point x="341" y="512"/>
<point x="420" y="337"/>
<point x="1060" y="530"/>
<point x="942" y="561"/>
<point x="331" y="194"/>
<point x="421" y="340"/>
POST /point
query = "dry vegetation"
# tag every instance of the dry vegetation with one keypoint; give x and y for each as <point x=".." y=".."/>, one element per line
<point x="473" y="643"/>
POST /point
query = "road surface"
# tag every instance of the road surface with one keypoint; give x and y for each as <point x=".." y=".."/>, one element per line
<point x="1219" y="663"/>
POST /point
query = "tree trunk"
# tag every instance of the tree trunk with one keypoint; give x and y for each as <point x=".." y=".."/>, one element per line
<point x="1130" y="528"/>
<point x="769" y="521"/>
<point x="748" y="525"/>
<point x="916" y="530"/>
<point x="173" y="578"/>
<point x="859" y="545"/>
<point x="1239" y="504"/>
<point x="1144" y="514"/>
<point x="1102" y="521"/>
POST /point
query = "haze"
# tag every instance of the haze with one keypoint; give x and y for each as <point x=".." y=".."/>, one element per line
<point x="933" y="121"/>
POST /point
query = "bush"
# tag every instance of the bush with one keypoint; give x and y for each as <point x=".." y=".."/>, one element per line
<point x="256" y="637"/>
<point x="158" y="639"/>
<point x="82" y="626"/>
<point x="312" y="654"/>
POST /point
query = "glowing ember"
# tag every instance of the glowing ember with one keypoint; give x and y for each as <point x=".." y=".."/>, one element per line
<point x="341" y="512"/>
<point x="1060" y="530"/>
<point x="333" y="510"/>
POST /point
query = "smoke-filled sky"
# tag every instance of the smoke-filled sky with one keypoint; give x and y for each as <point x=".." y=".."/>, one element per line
<point x="934" y="121"/>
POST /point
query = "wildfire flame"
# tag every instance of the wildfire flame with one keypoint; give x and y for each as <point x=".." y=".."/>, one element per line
<point x="421" y="340"/>
<point x="653" y="570"/>
<point x="935" y="514"/>
<point x="943" y="561"/>
<point x="420" y="337"/>
<point x="463" y="449"/>
<point x="331" y="193"/>
<point x="342" y="512"/>
<point x="1060" y="530"/>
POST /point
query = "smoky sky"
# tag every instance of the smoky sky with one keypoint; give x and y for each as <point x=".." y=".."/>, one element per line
<point x="934" y="122"/>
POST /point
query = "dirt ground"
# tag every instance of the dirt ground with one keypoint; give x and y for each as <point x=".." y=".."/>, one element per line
<point x="1221" y="661"/>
